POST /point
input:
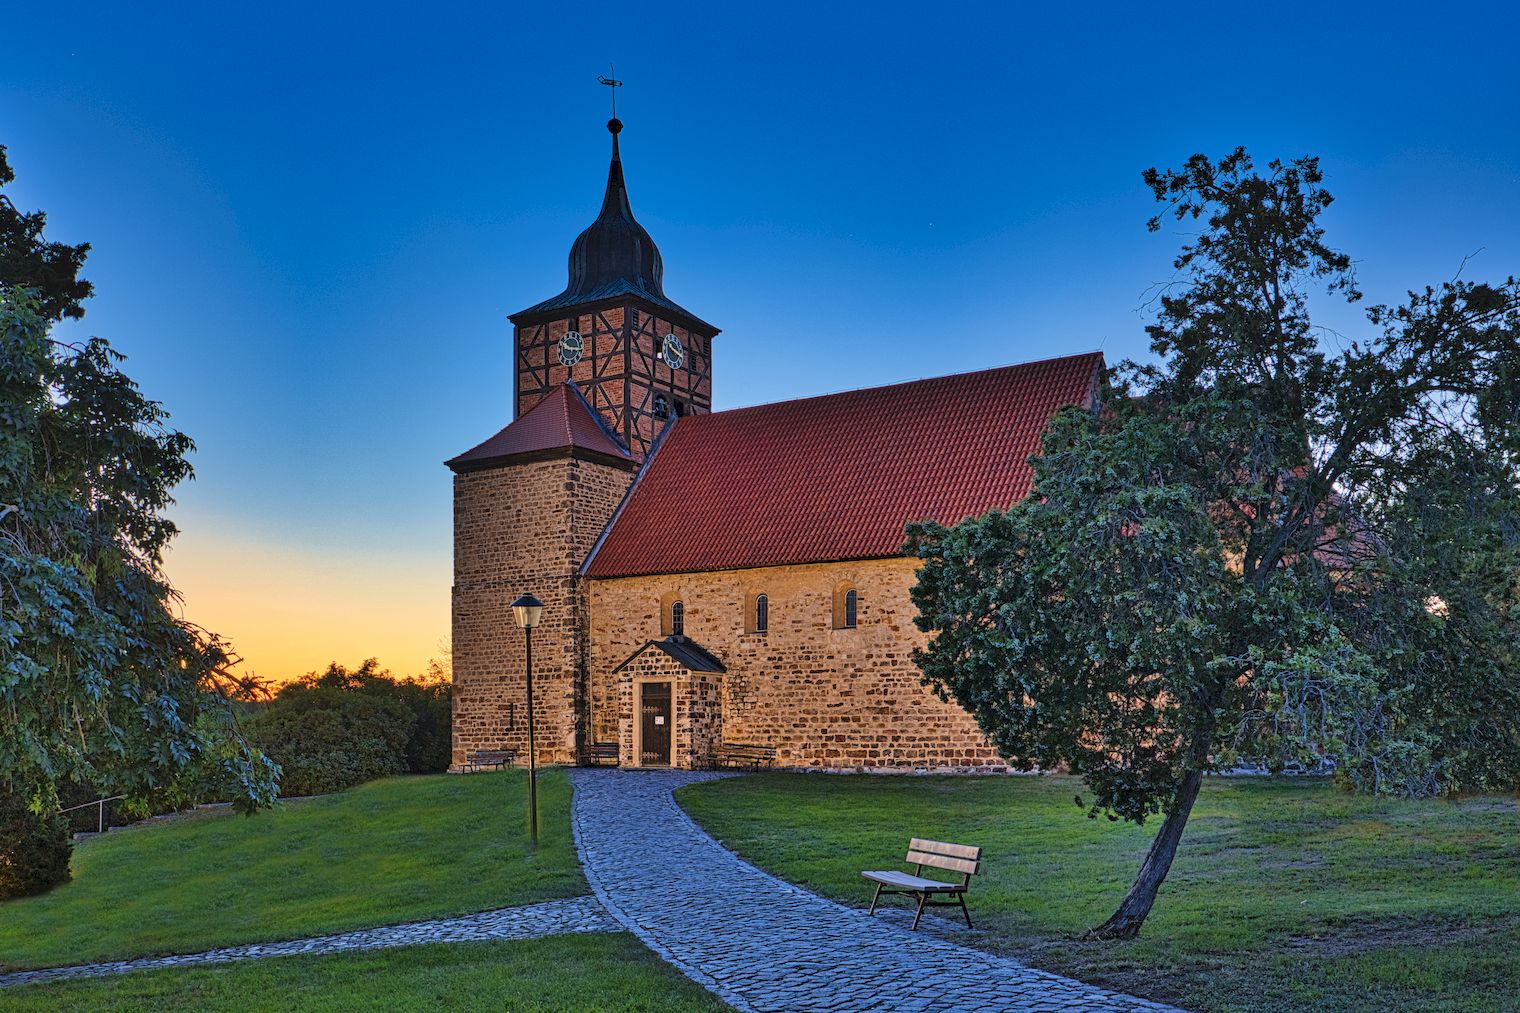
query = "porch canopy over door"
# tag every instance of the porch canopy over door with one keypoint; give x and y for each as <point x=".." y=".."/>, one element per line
<point x="670" y="701"/>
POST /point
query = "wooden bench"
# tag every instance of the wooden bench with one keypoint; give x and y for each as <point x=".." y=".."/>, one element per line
<point x="484" y="759"/>
<point x="603" y="752"/>
<point x="737" y="754"/>
<point x="961" y="858"/>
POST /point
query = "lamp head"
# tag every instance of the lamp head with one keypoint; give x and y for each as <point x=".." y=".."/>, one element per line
<point x="527" y="610"/>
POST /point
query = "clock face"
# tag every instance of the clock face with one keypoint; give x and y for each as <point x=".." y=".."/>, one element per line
<point x="570" y="347"/>
<point x="672" y="352"/>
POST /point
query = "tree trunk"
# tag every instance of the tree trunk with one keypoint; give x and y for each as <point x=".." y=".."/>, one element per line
<point x="1126" y="921"/>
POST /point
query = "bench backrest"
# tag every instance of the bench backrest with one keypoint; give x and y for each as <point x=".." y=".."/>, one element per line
<point x="739" y="749"/>
<point x="960" y="858"/>
<point x="491" y="755"/>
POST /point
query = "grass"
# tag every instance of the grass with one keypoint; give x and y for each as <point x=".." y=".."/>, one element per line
<point x="1284" y="895"/>
<point x="596" y="972"/>
<point x="390" y="851"/>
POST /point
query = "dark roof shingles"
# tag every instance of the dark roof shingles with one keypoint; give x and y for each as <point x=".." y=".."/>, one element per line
<point x="687" y="652"/>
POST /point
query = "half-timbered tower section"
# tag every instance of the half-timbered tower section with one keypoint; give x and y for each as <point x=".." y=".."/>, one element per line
<point x="637" y="356"/>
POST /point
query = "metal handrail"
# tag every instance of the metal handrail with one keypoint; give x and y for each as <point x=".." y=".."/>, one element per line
<point x="100" y="814"/>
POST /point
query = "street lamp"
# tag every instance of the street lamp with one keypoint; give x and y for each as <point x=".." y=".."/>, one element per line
<point x="528" y="610"/>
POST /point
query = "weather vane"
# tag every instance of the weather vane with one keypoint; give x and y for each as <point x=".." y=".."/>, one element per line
<point x="614" y="84"/>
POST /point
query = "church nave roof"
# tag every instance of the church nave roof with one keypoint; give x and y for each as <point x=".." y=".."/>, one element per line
<point x="838" y="476"/>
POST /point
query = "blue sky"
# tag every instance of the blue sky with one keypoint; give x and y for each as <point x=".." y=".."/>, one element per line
<point x="311" y="221"/>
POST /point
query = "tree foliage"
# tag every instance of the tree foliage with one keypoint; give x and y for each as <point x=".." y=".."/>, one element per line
<point x="27" y="260"/>
<point x="34" y="847"/>
<point x="341" y="727"/>
<point x="101" y="682"/>
<point x="102" y="686"/>
<point x="1262" y="546"/>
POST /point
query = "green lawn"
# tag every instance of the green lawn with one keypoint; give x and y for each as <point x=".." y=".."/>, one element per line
<point x="1284" y="895"/>
<point x="604" y="971"/>
<point x="389" y="851"/>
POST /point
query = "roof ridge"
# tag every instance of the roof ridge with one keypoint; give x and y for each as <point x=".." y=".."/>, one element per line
<point x="898" y="383"/>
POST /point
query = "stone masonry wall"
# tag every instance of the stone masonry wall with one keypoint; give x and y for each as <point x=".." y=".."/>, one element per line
<point x="824" y="697"/>
<point x="519" y="528"/>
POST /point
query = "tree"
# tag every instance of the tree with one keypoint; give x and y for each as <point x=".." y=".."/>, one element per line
<point x="27" y="260"/>
<point x="341" y="727"/>
<point x="1258" y="548"/>
<point x="101" y="682"/>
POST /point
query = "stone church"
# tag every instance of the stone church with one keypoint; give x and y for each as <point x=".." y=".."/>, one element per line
<point x="715" y="577"/>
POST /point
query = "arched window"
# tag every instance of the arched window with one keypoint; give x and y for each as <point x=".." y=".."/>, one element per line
<point x="678" y="618"/>
<point x="762" y="613"/>
<point x="661" y="406"/>
<point x="845" y="605"/>
<point x="680" y="409"/>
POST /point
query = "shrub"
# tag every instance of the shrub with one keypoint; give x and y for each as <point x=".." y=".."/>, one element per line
<point x="34" y="848"/>
<point x="332" y="730"/>
<point x="429" y="749"/>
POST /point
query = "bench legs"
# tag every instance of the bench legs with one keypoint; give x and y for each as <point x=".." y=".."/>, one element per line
<point x="923" y="902"/>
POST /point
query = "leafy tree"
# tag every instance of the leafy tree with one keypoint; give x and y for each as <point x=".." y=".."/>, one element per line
<point x="1259" y="548"/>
<point x="429" y="744"/>
<point x="50" y="270"/>
<point x="102" y="686"/>
<point x="340" y="727"/>
<point x="101" y="682"/>
<point x="327" y="739"/>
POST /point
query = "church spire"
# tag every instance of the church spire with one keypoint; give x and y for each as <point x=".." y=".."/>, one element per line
<point x="616" y="200"/>
<point x="615" y="258"/>
<point x="615" y="251"/>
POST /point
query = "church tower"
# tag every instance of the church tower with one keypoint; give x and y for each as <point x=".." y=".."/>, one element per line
<point x="599" y="368"/>
<point x="637" y="356"/>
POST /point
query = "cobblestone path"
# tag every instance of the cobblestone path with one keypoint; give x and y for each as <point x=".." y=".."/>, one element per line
<point x="577" y="914"/>
<point x="764" y="945"/>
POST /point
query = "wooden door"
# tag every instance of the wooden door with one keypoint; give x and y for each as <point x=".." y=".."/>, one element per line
<point x="654" y="716"/>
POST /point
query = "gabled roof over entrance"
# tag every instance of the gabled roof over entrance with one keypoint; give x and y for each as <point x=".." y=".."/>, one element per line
<point x="688" y="653"/>
<point x="840" y="476"/>
<point x="563" y="421"/>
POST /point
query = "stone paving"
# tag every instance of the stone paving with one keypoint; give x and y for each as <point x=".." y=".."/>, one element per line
<point x="764" y="945"/>
<point x="577" y="914"/>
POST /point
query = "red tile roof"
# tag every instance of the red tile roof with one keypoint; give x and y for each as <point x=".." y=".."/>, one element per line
<point x="561" y="421"/>
<point x="838" y="476"/>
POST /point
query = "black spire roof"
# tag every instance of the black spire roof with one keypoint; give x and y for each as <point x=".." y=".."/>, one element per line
<point x="615" y="256"/>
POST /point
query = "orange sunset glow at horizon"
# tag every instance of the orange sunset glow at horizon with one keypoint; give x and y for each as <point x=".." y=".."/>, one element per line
<point x="287" y="612"/>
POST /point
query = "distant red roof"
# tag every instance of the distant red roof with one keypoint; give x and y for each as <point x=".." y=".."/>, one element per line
<point x="838" y="476"/>
<point x="561" y="421"/>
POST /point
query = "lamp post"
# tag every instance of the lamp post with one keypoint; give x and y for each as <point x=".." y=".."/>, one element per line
<point x="528" y="610"/>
